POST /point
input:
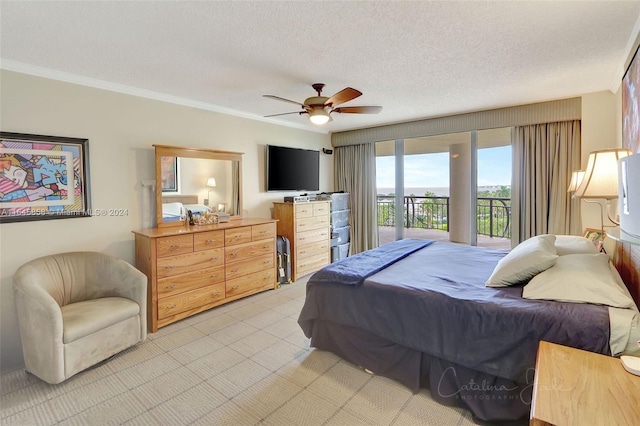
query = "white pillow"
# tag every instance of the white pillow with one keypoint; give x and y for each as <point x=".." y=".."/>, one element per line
<point x="172" y="209"/>
<point x="527" y="259"/>
<point x="579" y="278"/>
<point x="571" y="244"/>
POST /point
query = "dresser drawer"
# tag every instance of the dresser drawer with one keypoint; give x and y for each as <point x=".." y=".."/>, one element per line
<point x="312" y="223"/>
<point x="304" y="210"/>
<point x="190" y="281"/>
<point x="249" y="250"/>
<point x="208" y="240"/>
<point x="261" y="232"/>
<point x="249" y="266"/>
<point x="176" y="265"/>
<point x="312" y="236"/>
<point x="248" y="283"/>
<point x="193" y="299"/>
<point x="237" y="236"/>
<point x="320" y="247"/>
<point x="310" y="264"/>
<point x="321" y="209"/>
<point x="178" y="244"/>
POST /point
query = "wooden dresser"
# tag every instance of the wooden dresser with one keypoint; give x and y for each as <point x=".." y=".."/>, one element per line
<point x="306" y="225"/>
<point x="192" y="269"/>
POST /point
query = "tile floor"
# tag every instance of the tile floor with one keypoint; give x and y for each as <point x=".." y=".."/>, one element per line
<point x="245" y="363"/>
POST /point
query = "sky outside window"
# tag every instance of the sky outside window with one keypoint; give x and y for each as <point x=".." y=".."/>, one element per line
<point x="432" y="170"/>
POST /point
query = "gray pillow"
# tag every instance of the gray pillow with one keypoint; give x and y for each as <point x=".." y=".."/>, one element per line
<point x="579" y="278"/>
<point x="527" y="259"/>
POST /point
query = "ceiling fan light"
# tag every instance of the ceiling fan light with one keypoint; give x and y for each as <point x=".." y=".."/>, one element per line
<point x="319" y="116"/>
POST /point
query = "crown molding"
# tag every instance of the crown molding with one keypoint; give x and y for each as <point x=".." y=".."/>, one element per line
<point x="66" y="77"/>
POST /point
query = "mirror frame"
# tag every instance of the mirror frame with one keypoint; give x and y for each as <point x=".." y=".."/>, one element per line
<point x="177" y="151"/>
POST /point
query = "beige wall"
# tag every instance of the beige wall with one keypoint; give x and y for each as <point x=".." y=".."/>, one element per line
<point x="601" y="129"/>
<point x="121" y="130"/>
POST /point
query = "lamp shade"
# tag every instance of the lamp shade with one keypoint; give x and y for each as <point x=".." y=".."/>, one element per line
<point x="576" y="180"/>
<point x="211" y="182"/>
<point x="601" y="175"/>
<point x="319" y="116"/>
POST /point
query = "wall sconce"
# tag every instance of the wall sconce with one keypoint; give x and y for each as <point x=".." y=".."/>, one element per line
<point x="211" y="183"/>
<point x="601" y="177"/>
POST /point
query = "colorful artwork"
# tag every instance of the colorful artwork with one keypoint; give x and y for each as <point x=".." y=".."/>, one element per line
<point x="169" y="172"/>
<point x="631" y="106"/>
<point x="42" y="177"/>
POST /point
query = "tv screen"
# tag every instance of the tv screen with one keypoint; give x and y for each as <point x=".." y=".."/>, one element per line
<point x="292" y="169"/>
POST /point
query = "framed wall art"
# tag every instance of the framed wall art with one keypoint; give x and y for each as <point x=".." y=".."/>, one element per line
<point x="170" y="174"/>
<point x="43" y="177"/>
<point x="631" y="106"/>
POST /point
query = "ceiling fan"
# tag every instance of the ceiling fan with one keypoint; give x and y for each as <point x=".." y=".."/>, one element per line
<point x="320" y="107"/>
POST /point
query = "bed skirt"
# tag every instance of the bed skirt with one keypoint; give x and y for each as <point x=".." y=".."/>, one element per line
<point x="488" y="398"/>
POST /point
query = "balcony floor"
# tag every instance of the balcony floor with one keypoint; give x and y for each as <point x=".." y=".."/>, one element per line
<point x="387" y="234"/>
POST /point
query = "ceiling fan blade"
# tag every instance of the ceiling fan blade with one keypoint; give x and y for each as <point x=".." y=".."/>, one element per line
<point x="286" y="113"/>
<point x="358" y="110"/>
<point x="343" y="96"/>
<point x="278" y="98"/>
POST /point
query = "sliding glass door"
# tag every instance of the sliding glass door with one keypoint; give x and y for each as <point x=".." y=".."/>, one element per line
<point x="452" y="188"/>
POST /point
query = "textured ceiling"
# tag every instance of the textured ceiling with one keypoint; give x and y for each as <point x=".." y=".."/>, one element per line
<point x="415" y="59"/>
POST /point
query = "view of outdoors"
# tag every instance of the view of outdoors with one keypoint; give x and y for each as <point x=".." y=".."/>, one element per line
<point x="427" y="193"/>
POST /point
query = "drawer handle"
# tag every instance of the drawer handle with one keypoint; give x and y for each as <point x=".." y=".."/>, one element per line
<point x="174" y="246"/>
<point x="302" y="251"/>
<point x="170" y="267"/>
<point x="209" y="241"/>
<point x="262" y="232"/>
<point x="233" y="255"/>
<point x="235" y="270"/>
<point x="215" y="276"/>
<point x="213" y="258"/>
<point x="171" y="306"/>
<point x="171" y="286"/>
<point x="302" y="224"/>
<point x="217" y="293"/>
<point x="237" y="287"/>
<point x="266" y="262"/>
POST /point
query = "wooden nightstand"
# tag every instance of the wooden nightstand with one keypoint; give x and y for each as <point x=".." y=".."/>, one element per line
<point x="576" y="387"/>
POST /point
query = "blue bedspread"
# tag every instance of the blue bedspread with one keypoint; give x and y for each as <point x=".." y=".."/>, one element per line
<point x="435" y="301"/>
<point x="355" y="269"/>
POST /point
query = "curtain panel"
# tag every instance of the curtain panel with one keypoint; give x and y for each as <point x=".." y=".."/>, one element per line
<point x="544" y="156"/>
<point x="355" y="173"/>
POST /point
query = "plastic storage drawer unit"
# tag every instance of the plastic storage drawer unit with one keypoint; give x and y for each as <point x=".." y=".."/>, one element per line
<point x="342" y="234"/>
<point x="339" y="218"/>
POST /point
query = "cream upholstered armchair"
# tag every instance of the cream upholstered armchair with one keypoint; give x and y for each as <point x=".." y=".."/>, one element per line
<point x="77" y="309"/>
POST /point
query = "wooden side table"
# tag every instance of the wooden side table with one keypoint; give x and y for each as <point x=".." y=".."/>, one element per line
<point x="576" y="387"/>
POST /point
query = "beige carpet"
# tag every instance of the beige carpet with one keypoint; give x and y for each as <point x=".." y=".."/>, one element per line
<point x="245" y="363"/>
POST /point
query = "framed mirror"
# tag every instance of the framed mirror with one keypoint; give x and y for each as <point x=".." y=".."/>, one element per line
<point x="198" y="180"/>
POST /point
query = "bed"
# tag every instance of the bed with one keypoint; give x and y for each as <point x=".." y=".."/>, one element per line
<point x="174" y="207"/>
<point x="420" y="312"/>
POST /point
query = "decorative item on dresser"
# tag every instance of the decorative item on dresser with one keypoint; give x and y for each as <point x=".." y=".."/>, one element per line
<point x="193" y="269"/>
<point x="306" y="225"/>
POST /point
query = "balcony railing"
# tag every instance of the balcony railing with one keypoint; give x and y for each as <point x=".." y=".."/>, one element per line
<point x="493" y="214"/>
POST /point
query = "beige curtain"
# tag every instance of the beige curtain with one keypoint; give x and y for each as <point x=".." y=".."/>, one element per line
<point x="544" y="155"/>
<point x="355" y="173"/>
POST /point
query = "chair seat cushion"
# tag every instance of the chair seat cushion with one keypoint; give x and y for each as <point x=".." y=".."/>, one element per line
<point x="81" y="319"/>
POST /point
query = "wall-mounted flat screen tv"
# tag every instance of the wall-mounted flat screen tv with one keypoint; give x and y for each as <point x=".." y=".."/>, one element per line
<point x="292" y="169"/>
